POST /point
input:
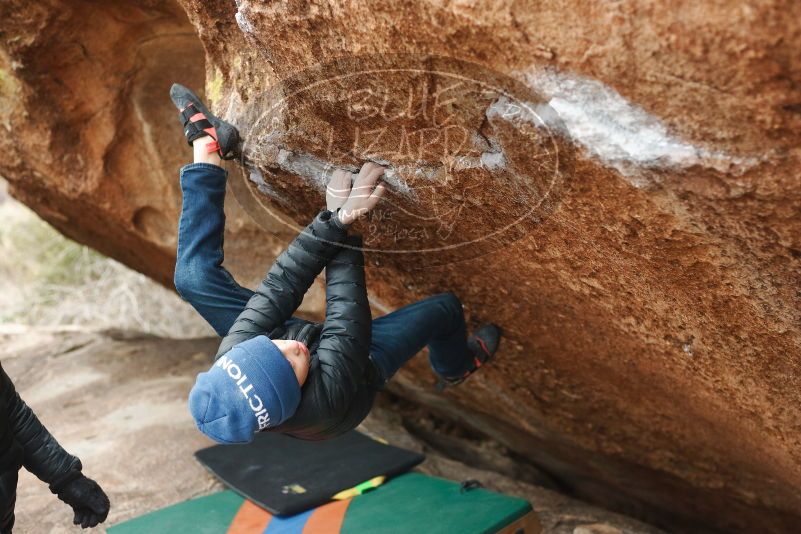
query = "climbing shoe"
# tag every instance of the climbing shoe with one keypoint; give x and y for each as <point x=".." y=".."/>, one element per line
<point x="483" y="344"/>
<point x="199" y="121"/>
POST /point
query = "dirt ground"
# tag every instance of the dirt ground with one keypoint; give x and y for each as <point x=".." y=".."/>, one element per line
<point x="118" y="401"/>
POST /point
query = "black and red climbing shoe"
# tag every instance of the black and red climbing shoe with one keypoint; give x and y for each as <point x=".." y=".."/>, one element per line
<point x="483" y="344"/>
<point x="198" y="121"/>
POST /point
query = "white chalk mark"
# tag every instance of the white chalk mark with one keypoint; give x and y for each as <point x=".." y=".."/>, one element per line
<point x="241" y="18"/>
<point x="319" y="171"/>
<point x="620" y="133"/>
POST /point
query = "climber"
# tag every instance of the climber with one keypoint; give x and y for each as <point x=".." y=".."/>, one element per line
<point x="24" y="441"/>
<point x="277" y="372"/>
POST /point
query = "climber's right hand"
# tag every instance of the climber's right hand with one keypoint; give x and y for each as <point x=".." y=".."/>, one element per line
<point x="364" y="195"/>
<point x="338" y="189"/>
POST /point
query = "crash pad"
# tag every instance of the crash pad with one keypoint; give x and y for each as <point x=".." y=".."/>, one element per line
<point x="408" y="504"/>
<point x="211" y="514"/>
<point x="414" y="503"/>
<point x="287" y="476"/>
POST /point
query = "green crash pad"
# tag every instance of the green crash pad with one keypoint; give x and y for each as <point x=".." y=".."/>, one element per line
<point x="211" y="514"/>
<point x="411" y="503"/>
<point x="415" y="503"/>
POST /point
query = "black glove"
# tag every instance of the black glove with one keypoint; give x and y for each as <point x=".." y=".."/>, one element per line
<point x="87" y="500"/>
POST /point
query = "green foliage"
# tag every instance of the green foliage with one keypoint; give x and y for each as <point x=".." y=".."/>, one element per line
<point x="33" y="252"/>
<point x="47" y="279"/>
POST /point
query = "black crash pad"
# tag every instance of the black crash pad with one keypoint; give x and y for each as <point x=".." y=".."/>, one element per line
<point x="288" y="476"/>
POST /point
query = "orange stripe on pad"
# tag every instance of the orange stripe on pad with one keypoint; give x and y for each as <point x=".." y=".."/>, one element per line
<point x="327" y="519"/>
<point x="250" y="519"/>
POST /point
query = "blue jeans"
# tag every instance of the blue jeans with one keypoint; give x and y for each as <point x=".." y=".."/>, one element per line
<point x="200" y="279"/>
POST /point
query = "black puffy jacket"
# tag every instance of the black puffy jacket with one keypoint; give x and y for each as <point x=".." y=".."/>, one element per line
<point x="342" y="381"/>
<point x="24" y="441"/>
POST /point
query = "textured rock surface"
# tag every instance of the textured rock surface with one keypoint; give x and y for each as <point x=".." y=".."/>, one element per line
<point x="651" y="307"/>
<point x="142" y="382"/>
<point x="82" y="100"/>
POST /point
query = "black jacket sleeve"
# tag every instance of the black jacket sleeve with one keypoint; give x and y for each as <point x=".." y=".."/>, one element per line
<point x="10" y="451"/>
<point x="282" y="290"/>
<point x="42" y="454"/>
<point x="345" y="339"/>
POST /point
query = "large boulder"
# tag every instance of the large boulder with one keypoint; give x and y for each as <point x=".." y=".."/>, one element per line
<point x="616" y="185"/>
